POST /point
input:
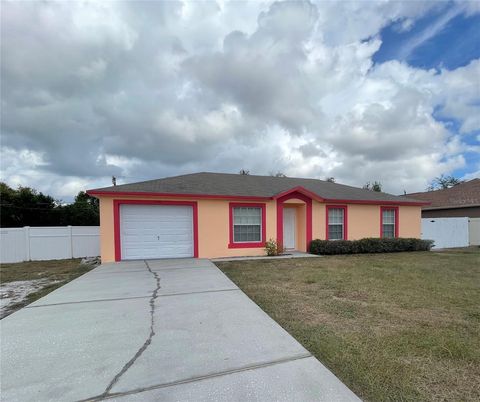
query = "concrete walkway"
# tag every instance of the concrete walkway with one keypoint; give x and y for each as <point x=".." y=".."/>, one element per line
<point x="169" y="330"/>
<point x="287" y="255"/>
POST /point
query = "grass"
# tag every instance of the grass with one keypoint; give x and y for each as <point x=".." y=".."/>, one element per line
<point x="393" y="327"/>
<point x="58" y="272"/>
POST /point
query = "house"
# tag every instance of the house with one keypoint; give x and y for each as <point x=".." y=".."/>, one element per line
<point x="462" y="200"/>
<point x="218" y="215"/>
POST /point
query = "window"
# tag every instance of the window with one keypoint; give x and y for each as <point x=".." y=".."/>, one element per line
<point x="389" y="222"/>
<point x="336" y="223"/>
<point x="246" y="225"/>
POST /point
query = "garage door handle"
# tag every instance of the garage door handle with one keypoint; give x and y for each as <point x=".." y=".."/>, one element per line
<point x="158" y="237"/>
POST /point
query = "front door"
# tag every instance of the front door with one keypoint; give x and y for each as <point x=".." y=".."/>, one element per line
<point x="289" y="228"/>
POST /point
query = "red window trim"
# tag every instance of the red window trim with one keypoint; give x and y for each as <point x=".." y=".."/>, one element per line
<point x="116" y="221"/>
<point x="259" y="244"/>
<point x="345" y="220"/>
<point x="396" y="219"/>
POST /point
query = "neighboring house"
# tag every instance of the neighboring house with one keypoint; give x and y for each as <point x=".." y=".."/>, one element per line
<point x="462" y="200"/>
<point x="218" y="215"/>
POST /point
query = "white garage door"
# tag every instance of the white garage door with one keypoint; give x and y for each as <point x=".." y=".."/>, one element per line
<point x="156" y="231"/>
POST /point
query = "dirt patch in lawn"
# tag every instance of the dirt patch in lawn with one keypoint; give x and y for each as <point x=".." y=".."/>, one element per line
<point x="402" y="326"/>
<point x="23" y="283"/>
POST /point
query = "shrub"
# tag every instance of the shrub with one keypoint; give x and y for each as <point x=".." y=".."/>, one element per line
<point x="272" y="247"/>
<point x="369" y="245"/>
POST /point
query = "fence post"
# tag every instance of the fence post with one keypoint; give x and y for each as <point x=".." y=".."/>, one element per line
<point x="70" y="230"/>
<point x="26" y="230"/>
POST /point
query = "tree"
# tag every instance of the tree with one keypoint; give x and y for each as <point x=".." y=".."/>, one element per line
<point x="83" y="212"/>
<point x="375" y="186"/>
<point x="442" y="182"/>
<point x="330" y="179"/>
<point x="244" y="172"/>
<point x="28" y="207"/>
<point x="278" y="174"/>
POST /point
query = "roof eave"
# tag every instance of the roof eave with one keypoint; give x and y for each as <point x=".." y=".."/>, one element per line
<point x="450" y="207"/>
<point x="101" y="193"/>
<point x="302" y="190"/>
<point x="378" y="202"/>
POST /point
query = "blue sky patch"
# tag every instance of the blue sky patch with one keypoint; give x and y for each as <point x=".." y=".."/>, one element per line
<point x="446" y="38"/>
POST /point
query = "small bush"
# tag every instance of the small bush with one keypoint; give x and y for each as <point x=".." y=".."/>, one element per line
<point x="369" y="245"/>
<point x="272" y="247"/>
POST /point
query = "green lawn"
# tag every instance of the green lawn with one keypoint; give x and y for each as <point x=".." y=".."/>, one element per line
<point x="55" y="273"/>
<point x="393" y="327"/>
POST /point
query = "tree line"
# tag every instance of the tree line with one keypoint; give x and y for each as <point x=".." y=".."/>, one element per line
<point x="26" y="206"/>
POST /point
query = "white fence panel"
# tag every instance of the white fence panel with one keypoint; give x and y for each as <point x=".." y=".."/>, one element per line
<point x="49" y="243"/>
<point x="85" y="241"/>
<point x="446" y="232"/>
<point x="12" y="242"/>
<point x="474" y="231"/>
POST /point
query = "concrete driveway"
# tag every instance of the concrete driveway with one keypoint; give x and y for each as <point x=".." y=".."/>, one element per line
<point x="169" y="330"/>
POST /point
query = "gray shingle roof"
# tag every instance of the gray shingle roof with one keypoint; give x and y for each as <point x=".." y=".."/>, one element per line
<point x="249" y="185"/>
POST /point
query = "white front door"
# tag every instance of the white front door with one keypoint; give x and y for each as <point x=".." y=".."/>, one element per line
<point x="156" y="231"/>
<point x="289" y="228"/>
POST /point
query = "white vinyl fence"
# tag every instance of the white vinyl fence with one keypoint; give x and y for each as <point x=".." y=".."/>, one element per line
<point x="451" y="232"/>
<point x="49" y="243"/>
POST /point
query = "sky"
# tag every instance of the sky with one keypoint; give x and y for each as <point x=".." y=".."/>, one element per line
<point x="360" y="91"/>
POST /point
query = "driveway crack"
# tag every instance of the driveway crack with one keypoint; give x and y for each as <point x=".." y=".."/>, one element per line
<point x="148" y="341"/>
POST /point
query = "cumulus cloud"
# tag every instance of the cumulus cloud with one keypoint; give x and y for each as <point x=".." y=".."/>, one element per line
<point x="149" y="89"/>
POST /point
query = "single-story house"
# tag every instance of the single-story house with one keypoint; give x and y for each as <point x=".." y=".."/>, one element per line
<point x="462" y="200"/>
<point x="220" y="215"/>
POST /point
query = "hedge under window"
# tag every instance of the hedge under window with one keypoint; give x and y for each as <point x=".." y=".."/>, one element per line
<point x="336" y="221"/>
<point x="247" y="224"/>
<point x="388" y="223"/>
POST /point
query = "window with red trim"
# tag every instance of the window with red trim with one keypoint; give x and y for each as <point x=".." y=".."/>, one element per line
<point x="247" y="225"/>
<point x="336" y="223"/>
<point x="389" y="222"/>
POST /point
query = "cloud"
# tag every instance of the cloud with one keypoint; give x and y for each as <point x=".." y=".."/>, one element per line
<point x="151" y="89"/>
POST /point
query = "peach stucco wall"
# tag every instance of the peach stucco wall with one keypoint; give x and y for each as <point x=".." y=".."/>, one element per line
<point x="213" y="225"/>
<point x="364" y="221"/>
<point x="214" y="229"/>
<point x="107" y="246"/>
<point x="410" y="221"/>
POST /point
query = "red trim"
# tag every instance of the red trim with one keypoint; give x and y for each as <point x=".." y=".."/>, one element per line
<point x="175" y="195"/>
<point x="300" y="190"/>
<point x="308" y="215"/>
<point x="345" y="220"/>
<point x="297" y="189"/>
<point x="116" y="221"/>
<point x="372" y="202"/>
<point x="231" y="243"/>
<point x="381" y="219"/>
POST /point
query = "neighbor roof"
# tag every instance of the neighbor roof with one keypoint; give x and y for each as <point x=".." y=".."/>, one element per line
<point x="233" y="185"/>
<point x="463" y="195"/>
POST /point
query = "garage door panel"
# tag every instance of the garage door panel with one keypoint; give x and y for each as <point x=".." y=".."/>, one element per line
<point x="156" y="231"/>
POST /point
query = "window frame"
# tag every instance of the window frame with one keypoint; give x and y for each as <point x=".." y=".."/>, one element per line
<point x="345" y="221"/>
<point x="395" y="228"/>
<point x="251" y="244"/>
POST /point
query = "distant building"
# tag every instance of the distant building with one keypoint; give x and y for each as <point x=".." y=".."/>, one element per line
<point x="462" y="200"/>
